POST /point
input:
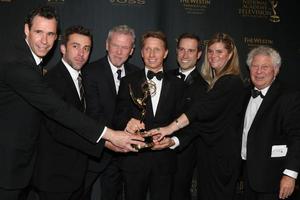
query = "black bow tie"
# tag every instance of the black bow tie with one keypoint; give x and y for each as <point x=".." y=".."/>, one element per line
<point x="159" y="75"/>
<point x="256" y="93"/>
<point x="180" y="75"/>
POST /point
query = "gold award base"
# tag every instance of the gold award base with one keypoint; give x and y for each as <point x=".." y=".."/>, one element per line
<point x="148" y="141"/>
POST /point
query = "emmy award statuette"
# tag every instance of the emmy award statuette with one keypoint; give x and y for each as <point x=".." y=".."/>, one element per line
<point x="148" y="89"/>
<point x="274" y="17"/>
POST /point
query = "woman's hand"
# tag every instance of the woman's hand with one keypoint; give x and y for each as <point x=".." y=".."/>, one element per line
<point x="159" y="133"/>
<point x="164" y="143"/>
<point x="134" y="125"/>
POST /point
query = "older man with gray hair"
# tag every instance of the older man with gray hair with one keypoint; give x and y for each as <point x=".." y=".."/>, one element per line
<point x="271" y="132"/>
<point x="101" y="80"/>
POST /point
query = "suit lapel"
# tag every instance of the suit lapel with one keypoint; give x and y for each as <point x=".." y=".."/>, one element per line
<point x="191" y="77"/>
<point x="128" y="69"/>
<point x="165" y="89"/>
<point x="69" y="81"/>
<point x="25" y="56"/>
<point x="267" y="103"/>
<point x="109" y="77"/>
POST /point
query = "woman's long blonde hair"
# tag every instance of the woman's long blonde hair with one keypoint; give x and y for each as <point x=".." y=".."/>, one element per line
<point x="231" y="67"/>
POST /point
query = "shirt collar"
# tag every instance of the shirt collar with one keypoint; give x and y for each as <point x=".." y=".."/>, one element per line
<point x="146" y="70"/>
<point x="74" y="73"/>
<point x="37" y="59"/>
<point x="187" y="72"/>
<point x="114" y="68"/>
<point x="263" y="91"/>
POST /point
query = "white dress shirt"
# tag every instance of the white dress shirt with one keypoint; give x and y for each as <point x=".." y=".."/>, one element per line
<point x="115" y="74"/>
<point x="74" y="75"/>
<point x="186" y="72"/>
<point x="155" y="97"/>
<point x="37" y="59"/>
<point x="252" y="108"/>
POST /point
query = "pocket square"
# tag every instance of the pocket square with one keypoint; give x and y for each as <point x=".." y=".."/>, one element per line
<point x="279" y="151"/>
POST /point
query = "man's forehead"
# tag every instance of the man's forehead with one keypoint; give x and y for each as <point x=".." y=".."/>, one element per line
<point x="42" y="21"/>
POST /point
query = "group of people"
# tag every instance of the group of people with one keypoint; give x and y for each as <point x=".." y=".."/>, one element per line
<point x="64" y="129"/>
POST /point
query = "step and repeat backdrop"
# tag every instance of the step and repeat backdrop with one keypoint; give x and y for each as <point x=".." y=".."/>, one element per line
<point x="249" y="22"/>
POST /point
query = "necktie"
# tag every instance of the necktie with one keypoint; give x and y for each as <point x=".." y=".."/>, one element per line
<point x="119" y="72"/>
<point x="41" y="68"/>
<point x="81" y="91"/>
<point x="256" y="93"/>
<point x="159" y="75"/>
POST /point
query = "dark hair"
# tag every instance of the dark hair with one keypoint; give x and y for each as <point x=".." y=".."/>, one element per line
<point x="189" y="36"/>
<point x="154" y="34"/>
<point x="76" y="29"/>
<point x="43" y="11"/>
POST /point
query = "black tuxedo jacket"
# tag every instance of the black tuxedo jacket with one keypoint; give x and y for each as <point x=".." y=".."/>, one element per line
<point x="62" y="154"/>
<point x="101" y="94"/>
<point x="168" y="108"/>
<point x="276" y="123"/>
<point x="194" y="84"/>
<point x="24" y="97"/>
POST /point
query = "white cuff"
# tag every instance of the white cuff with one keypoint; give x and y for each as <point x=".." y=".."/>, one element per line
<point x="175" y="139"/>
<point x="104" y="130"/>
<point x="291" y="173"/>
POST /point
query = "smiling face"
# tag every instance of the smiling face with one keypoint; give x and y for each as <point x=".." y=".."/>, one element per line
<point x="119" y="47"/>
<point x="153" y="53"/>
<point x="77" y="50"/>
<point x="41" y="35"/>
<point x="218" y="56"/>
<point x="262" y="71"/>
<point x="187" y="53"/>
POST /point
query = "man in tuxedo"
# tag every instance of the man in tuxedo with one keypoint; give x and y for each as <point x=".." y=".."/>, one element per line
<point x="62" y="155"/>
<point x="148" y="169"/>
<point x="271" y="130"/>
<point x="188" y="53"/>
<point x="25" y="98"/>
<point x="101" y="81"/>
